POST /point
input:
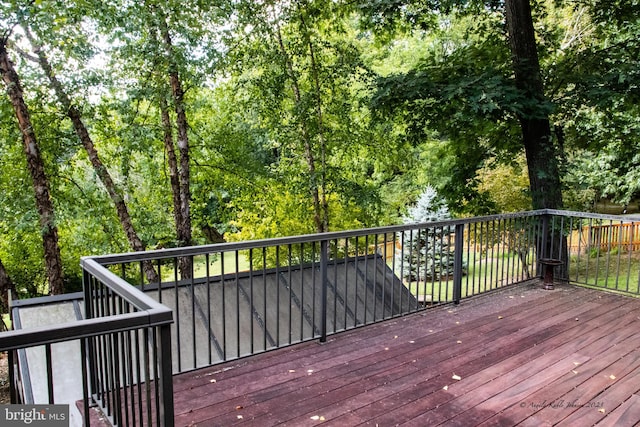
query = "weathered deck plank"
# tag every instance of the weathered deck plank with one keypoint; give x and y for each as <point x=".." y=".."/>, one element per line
<point x="522" y="354"/>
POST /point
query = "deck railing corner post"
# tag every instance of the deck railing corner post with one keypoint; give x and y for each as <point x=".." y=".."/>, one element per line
<point x="88" y="343"/>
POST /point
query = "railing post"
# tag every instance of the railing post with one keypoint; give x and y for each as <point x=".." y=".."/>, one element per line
<point x="324" y="262"/>
<point x="86" y="394"/>
<point x="457" y="263"/>
<point x="166" y="376"/>
<point x="89" y="352"/>
<point x="13" y="395"/>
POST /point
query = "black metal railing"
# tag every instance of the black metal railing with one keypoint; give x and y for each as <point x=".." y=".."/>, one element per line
<point x="236" y="299"/>
<point x="242" y="298"/>
<point x="601" y="251"/>
<point x="125" y="367"/>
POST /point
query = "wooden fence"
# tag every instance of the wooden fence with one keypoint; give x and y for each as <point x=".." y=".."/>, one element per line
<point x="604" y="238"/>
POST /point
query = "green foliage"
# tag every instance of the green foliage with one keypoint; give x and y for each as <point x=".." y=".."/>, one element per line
<point x="507" y="185"/>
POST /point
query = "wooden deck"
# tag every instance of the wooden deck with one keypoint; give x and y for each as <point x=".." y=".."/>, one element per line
<point x="521" y="356"/>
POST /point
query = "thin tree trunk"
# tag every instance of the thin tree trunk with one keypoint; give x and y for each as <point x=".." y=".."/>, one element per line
<point x="324" y="205"/>
<point x="309" y="156"/>
<point x="35" y="164"/>
<point x="7" y="288"/>
<point x="183" y="227"/>
<point x="103" y="174"/>
<point x="172" y="160"/>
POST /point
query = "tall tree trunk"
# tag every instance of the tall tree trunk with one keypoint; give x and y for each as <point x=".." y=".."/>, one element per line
<point x="183" y="227"/>
<point x="53" y="262"/>
<point x="172" y="160"/>
<point x="103" y="174"/>
<point x="541" y="154"/>
<point x="6" y="288"/>
<point x="324" y="205"/>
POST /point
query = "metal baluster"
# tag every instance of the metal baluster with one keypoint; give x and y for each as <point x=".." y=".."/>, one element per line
<point x="47" y="355"/>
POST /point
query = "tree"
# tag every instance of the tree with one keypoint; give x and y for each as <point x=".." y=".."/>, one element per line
<point x="465" y="91"/>
<point x="300" y="78"/>
<point x="544" y="177"/>
<point x="426" y="254"/>
<point x="40" y="181"/>
<point x="73" y="112"/>
<point x="183" y="214"/>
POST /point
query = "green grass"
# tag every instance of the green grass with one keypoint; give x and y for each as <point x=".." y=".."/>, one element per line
<point x="613" y="270"/>
<point x="215" y="266"/>
<point x="482" y="275"/>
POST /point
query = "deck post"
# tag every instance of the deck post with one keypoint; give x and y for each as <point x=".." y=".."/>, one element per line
<point x="166" y="376"/>
<point x="457" y="263"/>
<point x="324" y="262"/>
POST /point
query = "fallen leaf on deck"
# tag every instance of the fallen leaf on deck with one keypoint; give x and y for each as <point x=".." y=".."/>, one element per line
<point x="239" y="417"/>
<point x="613" y="377"/>
<point x="396" y="337"/>
<point x="430" y="330"/>
<point x="576" y="363"/>
<point x="511" y="296"/>
<point x="574" y="371"/>
<point x="238" y="407"/>
<point x="456" y="377"/>
<point x="291" y="371"/>
<point x="500" y="317"/>
<point x="459" y="342"/>
<point x="386" y="348"/>
<point x="309" y="371"/>
<point x="318" y="418"/>
<point x="411" y="342"/>
<point x="577" y="319"/>
<point x="445" y="388"/>
<point x="601" y="410"/>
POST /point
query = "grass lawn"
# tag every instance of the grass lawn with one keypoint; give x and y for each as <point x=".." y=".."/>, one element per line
<point x="612" y="270"/>
<point x="483" y="274"/>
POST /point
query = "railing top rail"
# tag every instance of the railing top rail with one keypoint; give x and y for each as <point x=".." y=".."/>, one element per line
<point x="134" y="296"/>
<point x="50" y="334"/>
<point x="623" y="218"/>
<point x="306" y="238"/>
<point x="47" y="299"/>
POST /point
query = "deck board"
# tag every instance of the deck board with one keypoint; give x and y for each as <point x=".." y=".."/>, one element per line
<point x="522" y="355"/>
